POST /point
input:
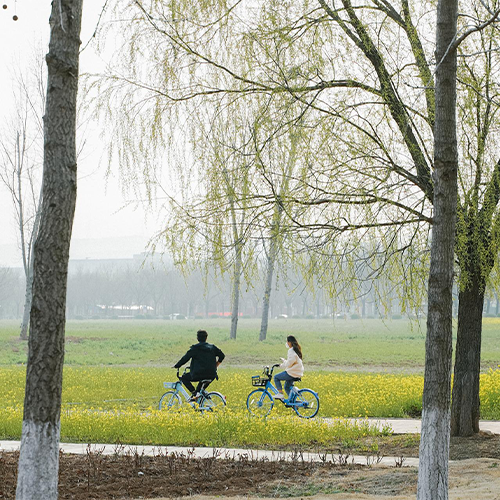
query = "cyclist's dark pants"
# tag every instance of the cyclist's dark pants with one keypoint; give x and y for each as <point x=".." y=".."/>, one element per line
<point x="186" y="380"/>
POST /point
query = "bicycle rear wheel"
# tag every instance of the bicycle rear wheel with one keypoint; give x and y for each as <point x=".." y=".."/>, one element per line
<point x="260" y="403"/>
<point x="306" y="404"/>
<point x="213" y="401"/>
<point x="170" y="401"/>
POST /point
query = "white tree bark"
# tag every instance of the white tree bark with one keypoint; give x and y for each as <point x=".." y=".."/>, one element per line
<point x="433" y="464"/>
<point x="39" y="460"/>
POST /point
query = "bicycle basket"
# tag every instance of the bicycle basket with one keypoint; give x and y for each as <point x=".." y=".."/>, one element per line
<point x="169" y="385"/>
<point x="258" y="381"/>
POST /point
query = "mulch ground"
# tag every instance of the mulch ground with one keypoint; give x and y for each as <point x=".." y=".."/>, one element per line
<point x="97" y="476"/>
<point x="133" y="476"/>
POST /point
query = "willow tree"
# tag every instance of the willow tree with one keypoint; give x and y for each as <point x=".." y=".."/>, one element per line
<point x="364" y="74"/>
<point x="39" y="455"/>
<point x="279" y="168"/>
<point x="278" y="58"/>
<point x="207" y="222"/>
<point x="233" y="214"/>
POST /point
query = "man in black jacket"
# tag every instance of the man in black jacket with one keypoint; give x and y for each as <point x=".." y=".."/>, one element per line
<point x="205" y="358"/>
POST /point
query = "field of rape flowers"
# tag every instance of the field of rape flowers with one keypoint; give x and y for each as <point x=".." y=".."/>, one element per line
<point x="103" y="404"/>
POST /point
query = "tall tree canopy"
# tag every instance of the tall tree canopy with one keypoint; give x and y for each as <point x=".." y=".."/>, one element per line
<point x="360" y="75"/>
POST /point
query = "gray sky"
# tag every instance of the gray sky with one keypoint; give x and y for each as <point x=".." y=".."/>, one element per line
<point x="100" y="211"/>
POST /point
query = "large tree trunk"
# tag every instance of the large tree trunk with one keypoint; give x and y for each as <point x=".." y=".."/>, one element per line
<point x="435" y="435"/>
<point x="465" y="400"/>
<point x="39" y="455"/>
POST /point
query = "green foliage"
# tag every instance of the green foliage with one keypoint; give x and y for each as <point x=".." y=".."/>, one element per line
<point x="273" y="135"/>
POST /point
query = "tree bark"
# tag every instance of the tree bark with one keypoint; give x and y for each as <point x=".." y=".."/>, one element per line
<point x="28" y="298"/>
<point x="26" y="261"/>
<point x="271" y="258"/>
<point x="435" y="434"/>
<point x="27" y="306"/>
<point x="39" y="455"/>
<point x="465" y="396"/>
<point x="236" y="291"/>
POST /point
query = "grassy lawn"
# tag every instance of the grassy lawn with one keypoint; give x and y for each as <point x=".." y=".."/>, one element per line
<point x="357" y="345"/>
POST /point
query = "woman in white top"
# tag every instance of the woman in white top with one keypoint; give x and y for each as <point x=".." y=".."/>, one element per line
<point x="294" y="369"/>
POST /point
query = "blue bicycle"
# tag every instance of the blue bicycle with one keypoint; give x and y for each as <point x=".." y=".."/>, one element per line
<point x="260" y="402"/>
<point x="177" y="395"/>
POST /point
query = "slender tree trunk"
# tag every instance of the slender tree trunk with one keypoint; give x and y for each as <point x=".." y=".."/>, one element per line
<point x="271" y="258"/>
<point x="39" y="455"/>
<point x="236" y="292"/>
<point x="465" y="400"/>
<point x="27" y="306"/>
<point x="28" y="298"/>
<point x="435" y="435"/>
<point x="238" y="249"/>
<point x="26" y="263"/>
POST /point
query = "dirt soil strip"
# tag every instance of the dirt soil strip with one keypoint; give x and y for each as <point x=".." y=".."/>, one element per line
<point x="474" y="479"/>
<point x="167" y="476"/>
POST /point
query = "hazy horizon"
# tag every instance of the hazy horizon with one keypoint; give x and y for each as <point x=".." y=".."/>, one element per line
<point x="116" y="247"/>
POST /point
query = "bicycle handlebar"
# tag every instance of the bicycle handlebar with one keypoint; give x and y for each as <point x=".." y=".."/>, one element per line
<point x="268" y="370"/>
<point x="185" y="371"/>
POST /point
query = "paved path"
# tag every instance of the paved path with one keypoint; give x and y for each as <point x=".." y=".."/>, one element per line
<point x="412" y="426"/>
<point x="399" y="426"/>
<point x="228" y="453"/>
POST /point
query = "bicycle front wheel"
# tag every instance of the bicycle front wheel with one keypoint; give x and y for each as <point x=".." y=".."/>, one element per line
<point x="170" y="401"/>
<point x="260" y="403"/>
<point x="213" y="401"/>
<point x="306" y="403"/>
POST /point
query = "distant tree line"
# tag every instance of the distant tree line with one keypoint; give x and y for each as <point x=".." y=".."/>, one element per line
<point x="141" y="290"/>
